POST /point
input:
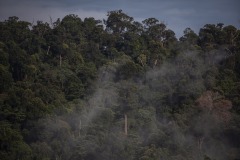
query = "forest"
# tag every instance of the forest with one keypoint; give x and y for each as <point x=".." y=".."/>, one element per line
<point x="118" y="89"/>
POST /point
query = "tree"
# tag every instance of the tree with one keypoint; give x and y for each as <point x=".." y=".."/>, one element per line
<point x="5" y="78"/>
<point x="12" y="144"/>
<point x="118" y="22"/>
<point x="93" y="29"/>
<point x="154" y="29"/>
<point x="189" y="37"/>
<point x="77" y="89"/>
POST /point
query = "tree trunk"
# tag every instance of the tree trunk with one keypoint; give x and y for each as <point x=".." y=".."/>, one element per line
<point x="126" y="125"/>
<point x="80" y="127"/>
<point x="200" y="142"/>
<point x="48" y="49"/>
<point x="60" y="59"/>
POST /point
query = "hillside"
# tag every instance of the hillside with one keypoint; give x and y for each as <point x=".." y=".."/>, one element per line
<point x="119" y="89"/>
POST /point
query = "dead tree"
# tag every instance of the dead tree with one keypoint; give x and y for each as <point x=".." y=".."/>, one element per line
<point x="126" y="124"/>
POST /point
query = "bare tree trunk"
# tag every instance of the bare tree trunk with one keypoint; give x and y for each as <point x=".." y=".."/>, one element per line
<point x="51" y="22"/>
<point x="200" y="142"/>
<point x="80" y="127"/>
<point x="155" y="62"/>
<point x="141" y="62"/>
<point x="48" y="49"/>
<point x="60" y="59"/>
<point x="126" y="125"/>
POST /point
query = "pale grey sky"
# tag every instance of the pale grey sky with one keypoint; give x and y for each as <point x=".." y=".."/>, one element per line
<point x="177" y="14"/>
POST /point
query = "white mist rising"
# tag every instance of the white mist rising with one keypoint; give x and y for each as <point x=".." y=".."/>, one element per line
<point x="100" y="121"/>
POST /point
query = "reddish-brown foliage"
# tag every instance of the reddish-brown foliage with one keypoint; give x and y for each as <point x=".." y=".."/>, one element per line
<point x="216" y="105"/>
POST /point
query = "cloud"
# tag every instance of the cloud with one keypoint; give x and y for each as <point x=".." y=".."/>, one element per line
<point x="43" y="12"/>
<point x="177" y="14"/>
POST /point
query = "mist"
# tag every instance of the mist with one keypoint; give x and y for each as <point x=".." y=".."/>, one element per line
<point x="95" y="129"/>
<point x="126" y="90"/>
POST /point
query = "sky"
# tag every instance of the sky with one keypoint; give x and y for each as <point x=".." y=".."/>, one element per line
<point x="176" y="14"/>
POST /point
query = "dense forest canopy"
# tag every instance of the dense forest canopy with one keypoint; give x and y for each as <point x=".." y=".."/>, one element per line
<point x="118" y="89"/>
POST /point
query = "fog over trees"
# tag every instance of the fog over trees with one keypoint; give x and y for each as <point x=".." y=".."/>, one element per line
<point x="86" y="89"/>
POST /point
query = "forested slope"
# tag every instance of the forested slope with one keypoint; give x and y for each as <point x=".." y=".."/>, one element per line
<point x="118" y="89"/>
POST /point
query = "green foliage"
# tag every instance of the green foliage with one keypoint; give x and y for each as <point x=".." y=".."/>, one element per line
<point x="12" y="144"/>
<point x="5" y="78"/>
<point x="68" y="89"/>
<point x="118" y="22"/>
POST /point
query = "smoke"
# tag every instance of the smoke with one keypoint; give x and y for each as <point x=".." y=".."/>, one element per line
<point x="96" y="129"/>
